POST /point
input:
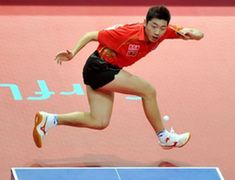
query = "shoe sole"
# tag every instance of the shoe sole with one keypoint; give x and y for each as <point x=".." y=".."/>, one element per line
<point x="36" y="136"/>
<point x="173" y="146"/>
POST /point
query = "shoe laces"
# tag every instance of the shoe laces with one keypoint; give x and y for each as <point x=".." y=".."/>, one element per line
<point x="173" y="135"/>
<point x="172" y="131"/>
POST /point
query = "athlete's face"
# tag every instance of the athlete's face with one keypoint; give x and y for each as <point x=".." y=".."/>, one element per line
<point x="155" y="28"/>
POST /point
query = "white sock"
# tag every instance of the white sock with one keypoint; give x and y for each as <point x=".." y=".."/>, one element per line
<point x="52" y="120"/>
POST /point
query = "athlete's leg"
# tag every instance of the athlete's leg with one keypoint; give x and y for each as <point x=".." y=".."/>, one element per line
<point x="101" y="104"/>
<point x="127" y="83"/>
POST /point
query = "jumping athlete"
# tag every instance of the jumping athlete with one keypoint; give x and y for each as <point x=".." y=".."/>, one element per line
<point x="104" y="75"/>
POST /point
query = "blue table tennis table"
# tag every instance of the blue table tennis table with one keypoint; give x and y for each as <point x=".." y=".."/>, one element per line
<point x="117" y="173"/>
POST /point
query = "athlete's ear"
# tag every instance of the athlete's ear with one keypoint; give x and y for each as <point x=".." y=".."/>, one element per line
<point x="145" y="24"/>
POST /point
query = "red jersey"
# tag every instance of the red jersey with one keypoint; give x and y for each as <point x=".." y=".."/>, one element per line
<point x="123" y="45"/>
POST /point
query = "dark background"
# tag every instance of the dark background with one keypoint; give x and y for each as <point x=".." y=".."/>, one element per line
<point x="121" y="2"/>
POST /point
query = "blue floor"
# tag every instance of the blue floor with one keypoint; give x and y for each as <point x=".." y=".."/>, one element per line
<point x="119" y="173"/>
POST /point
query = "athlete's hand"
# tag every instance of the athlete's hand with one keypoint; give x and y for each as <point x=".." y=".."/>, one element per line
<point x="191" y="33"/>
<point x="63" y="56"/>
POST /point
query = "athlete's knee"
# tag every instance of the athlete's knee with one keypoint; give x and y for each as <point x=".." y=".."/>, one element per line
<point x="102" y="123"/>
<point x="152" y="91"/>
<point x="149" y="91"/>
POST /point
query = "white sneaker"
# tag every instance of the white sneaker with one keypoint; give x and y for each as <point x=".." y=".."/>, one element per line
<point x="172" y="139"/>
<point x="40" y="129"/>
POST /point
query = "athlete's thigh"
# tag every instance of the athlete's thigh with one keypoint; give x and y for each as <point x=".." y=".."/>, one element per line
<point x="101" y="103"/>
<point x="128" y="83"/>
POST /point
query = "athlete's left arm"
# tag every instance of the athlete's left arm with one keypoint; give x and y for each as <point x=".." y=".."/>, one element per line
<point x="192" y="33"/>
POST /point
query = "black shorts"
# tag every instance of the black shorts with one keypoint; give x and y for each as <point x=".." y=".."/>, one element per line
<point x="98" y="72"/>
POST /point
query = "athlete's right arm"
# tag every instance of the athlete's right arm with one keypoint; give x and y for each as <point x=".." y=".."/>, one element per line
<point x="84" y="40"/>
<point x="88" y="37"/>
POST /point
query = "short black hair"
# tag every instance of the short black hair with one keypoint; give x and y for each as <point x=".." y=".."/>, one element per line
<point x="159" y="12"/>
